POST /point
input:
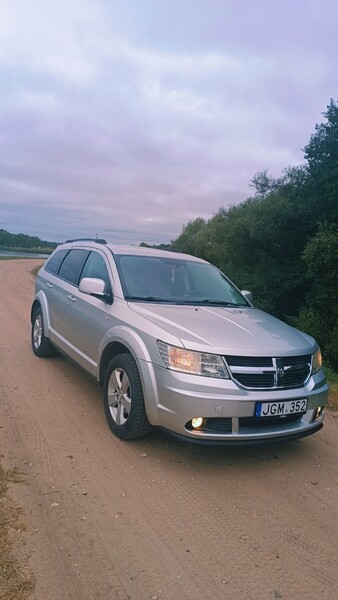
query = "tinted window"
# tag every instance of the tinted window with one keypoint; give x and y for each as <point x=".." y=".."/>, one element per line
<point x="53" y="265"/>
<point x="96" y="267"/>
<point x="71" y="267"/>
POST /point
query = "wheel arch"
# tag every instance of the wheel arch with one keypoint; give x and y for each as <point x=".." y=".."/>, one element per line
<point x="40" y="301"/>
<point x="125" y="407"/>
<point x="112" y="349"/>
<point x="123" y="340"/>
<point x="36" y="304"/>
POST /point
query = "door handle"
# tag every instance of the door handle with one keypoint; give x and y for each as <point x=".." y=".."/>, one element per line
<point x="50" y="285"/>
<point x="72" y="298"/>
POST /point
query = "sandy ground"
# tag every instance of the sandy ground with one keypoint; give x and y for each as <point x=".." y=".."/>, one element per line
<point x="157" y="518"/>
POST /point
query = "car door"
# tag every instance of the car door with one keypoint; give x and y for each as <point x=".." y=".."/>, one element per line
<point x="60" y="289"/>
<point x="90" y="317"/>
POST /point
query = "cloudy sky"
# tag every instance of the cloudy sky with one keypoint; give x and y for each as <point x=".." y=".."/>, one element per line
<point x="128" y="118"/>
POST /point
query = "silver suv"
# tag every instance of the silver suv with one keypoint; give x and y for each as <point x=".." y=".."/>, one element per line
<point x="176" y="345"/>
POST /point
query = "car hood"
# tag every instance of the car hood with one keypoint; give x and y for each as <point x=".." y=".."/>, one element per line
<point x="223" y="330"/>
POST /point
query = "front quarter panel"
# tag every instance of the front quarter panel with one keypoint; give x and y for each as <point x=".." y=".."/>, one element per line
<point x="129" y="338"/>
<point x="137" y="347"/>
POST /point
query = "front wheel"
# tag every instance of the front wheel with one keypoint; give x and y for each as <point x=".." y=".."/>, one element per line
<point x="40" y="343"/>
<point x="123" y="399"/>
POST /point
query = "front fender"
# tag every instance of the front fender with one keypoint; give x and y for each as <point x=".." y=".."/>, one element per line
<point x="131" y="339"/>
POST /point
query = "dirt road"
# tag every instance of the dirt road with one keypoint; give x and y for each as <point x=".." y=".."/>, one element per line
<point x="156" y="518"/>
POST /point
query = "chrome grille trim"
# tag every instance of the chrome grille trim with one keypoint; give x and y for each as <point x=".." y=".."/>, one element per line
<point x="279" y="372"/>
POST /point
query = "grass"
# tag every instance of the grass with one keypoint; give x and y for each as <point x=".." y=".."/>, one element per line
<point x="11" y="257"/>
<point x="35" y="270"/>
<point x="332" y="378"/>
<point x="19" y="258"/>
<point x="16" y="580"/>
<point x="30" y="250"/>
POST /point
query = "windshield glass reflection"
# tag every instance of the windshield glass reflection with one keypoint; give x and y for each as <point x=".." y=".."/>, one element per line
<point x="178" y="281"/>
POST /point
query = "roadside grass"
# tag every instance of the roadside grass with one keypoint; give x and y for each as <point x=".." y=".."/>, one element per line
<point x="332" y="378"/>
<point x="16" y="580"/>
<point x="19" y="257"/>
<point x="35" y="270"/>
<point x="24" y="249"/>
<point x="10" y="257"/>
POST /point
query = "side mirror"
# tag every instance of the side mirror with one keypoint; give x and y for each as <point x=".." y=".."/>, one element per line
<point x="247" y="295"/>
<point x="92" y="286"/>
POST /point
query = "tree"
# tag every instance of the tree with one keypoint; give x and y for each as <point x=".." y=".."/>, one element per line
<point x="193" y="239"/>
<point x="21" y="240"/>
<point x="322" y="156"/>
<point x="282" y="243"/>
<point x="263" y="184"/>
<point x="319" y="315"/>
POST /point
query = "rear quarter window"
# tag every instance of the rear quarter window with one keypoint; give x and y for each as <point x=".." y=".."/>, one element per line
<point x="54" y="263"/>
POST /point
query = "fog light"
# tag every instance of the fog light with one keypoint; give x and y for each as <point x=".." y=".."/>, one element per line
<point x="318" y="413"/>
<point x="197" y="422"/>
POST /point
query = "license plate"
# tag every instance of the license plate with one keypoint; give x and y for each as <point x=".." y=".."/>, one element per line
<point x="280" y="409"/>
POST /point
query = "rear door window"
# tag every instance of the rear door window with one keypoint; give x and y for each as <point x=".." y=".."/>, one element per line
<point x="72" y="266"/>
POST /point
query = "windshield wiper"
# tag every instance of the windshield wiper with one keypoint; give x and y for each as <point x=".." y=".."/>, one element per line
<point x="213" y="301"/>
<point x="147" y="299"/>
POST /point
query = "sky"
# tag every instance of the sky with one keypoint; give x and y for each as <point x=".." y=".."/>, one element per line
<point x="129" y="118"/>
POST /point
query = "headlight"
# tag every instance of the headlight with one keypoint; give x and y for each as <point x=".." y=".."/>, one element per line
<point x="316" y="362"/>
<point x="189" y="361"/>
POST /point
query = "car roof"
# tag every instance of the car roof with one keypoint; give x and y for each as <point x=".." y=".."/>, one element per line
<point x="125" y="249"/>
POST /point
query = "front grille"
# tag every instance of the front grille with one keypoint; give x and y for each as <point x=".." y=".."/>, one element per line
<point x="253" y="422"/>
<point x="267" y="372"/>
<point x="249" y="361"/>
<point x="266" y="380"/>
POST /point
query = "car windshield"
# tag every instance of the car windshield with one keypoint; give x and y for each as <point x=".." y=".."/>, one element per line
<point x="176" y="281"/>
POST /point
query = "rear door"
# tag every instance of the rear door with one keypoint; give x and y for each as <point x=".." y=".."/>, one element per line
<point x="60" y="291"/>
<point x="91" y="317"/>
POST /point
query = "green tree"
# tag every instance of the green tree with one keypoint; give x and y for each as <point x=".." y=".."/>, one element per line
<point x="319" y="315"/>
<point x="21" y="240"/>
<point x="281" y="243"/>
<point x="321" y="154"/>
<point x="193" y="239"/>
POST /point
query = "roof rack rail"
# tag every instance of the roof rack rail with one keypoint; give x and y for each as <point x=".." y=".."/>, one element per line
<point x="171" y="249"/>
<point x="97" y="240"/>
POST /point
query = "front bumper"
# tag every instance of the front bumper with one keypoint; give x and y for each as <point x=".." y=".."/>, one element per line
<point x="246" y="441"/>
<point x="231" y="409"/>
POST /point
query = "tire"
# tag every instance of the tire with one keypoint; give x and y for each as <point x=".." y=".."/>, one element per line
<point x="40" y="344"/>
<point x="123" y="399"/>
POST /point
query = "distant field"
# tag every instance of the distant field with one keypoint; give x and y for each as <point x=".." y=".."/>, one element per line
<point x="25" y="253"/>
<point x="8" y="257"/>
<point x="28" y="250"/>
<point x="19" y="257"/>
